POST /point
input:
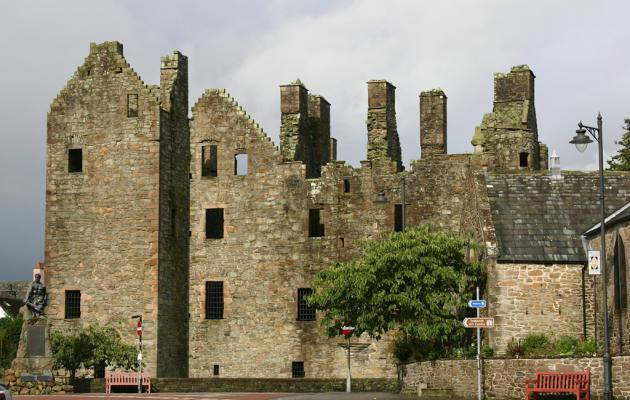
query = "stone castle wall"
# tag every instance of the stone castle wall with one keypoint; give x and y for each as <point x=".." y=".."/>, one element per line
<point x="503" y="378"/>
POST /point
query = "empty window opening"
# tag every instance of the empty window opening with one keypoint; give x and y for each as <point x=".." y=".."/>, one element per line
<point x="315" y="227"/>
<point x="132" y="105"/>
<point x="240" y="164"/>
<point x="89" y="72"/>
<point x="209" y="160"/>
<point x="215" y="370"/>
<point x="214" y="300"/>
<point x="118" y="70"/>
<point x="214" y="223"/>
<point x="297" y="369"/>
<point x="190" y="176"/>
<point x="346" y="185"/>
<point x="305" y="311"/>
<point x="73" y="304"/>
<point x="524" y="160"/>
<point x="342" y="242"/>
<point x="75" y="160"/>
<point x="620" y="276"/>
<point x="398" y="218"/>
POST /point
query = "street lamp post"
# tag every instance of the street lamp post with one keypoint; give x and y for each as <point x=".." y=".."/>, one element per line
<point x="581" y="141"/>
<point x="347" y="332"/>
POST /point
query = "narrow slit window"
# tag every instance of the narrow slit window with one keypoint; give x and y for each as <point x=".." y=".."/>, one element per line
<point x="346" y="185"/>
<point x="240" y="164"/>
<point x="342" y="242"/>
<point x="209" y="160"/>
<point x="173" y="221"/>
<point x="398" y="218"/>
<point x="315" y="227"/>
<point x="75" y="160"/>
<point x="620" y="276"/>
<point x="297" y="369"/>
<point x="132" y="105"/>
<point x="215" y="370"/>
<point x="306" y="312"/>
<point x="214" y="300"/>
<point x="524" y="160"/>
<point x="214" y="223"/>
<point x="73" y="304"/>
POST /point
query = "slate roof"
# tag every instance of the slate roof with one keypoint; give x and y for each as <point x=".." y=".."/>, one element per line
<point x="540" y="220"/>
<point x="620" y="215"/>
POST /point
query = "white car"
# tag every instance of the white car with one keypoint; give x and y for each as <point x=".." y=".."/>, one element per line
<point x="5" y="393"/>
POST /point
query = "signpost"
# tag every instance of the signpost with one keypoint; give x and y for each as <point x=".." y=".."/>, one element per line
<point x="478" y="323"/>
<point x="347" y="331"/>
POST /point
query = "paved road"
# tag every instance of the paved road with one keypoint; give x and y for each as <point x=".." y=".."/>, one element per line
<point x="221" y="396"/>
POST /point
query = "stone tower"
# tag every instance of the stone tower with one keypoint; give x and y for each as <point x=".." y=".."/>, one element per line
<point x="383" y="140"/>
<point x="117" y="204"/>
<point x="432" y="122"/>
<point x="508" y="136"/>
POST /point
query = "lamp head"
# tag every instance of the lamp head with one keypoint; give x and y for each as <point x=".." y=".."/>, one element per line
<point x="580" y="140"/>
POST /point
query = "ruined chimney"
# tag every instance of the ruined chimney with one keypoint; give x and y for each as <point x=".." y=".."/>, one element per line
<point x="174" y="82"/>
<point x="544" y="156"/>
<point x="517" y="85"/>
<point x="319" y="121"/>
<point x="333" y="149"/>
<point x="432" y="122"/>
<point x="383" y="141"/>
<point x="294" y="121"/>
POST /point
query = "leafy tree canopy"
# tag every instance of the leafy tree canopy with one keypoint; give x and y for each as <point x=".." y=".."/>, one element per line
<point x="621" y="160"/>
<point x="416" y="282"/>
<point x="10" y="329"/>
<point x="96" y="345"/>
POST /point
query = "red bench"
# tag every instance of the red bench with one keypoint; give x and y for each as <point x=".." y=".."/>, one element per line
<point x="578" y="383"/>
<point x="114" y="378"/>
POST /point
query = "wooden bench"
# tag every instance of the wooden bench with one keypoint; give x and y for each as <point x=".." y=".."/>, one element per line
<point x="115" y="378"/>
<point x="578" y="383"/>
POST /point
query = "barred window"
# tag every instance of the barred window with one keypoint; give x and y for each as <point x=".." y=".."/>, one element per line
<point x="215" y="370"/>
<point x="305" y="312"/>
<point x="297" y="369"/>
<point x="214" y="300"/>
<point x="73" y="304"/>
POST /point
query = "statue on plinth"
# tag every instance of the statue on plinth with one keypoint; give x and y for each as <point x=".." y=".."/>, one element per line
<point x="36" y="298"/>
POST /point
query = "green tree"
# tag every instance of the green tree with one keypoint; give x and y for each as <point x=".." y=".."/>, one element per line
<point x="91" y="347"/>
<point x="416" y="283"/>
<point x="621" y="160"/>
<point x="10" y="329"/>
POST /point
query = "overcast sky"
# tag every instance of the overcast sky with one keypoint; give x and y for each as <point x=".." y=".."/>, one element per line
<point x="577" y="49"/>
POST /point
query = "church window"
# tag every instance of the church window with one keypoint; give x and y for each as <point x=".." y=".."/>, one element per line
<point x="315" y="227"/>
<point x="73" y="304"/>
<point x="240" y="164"/>
<point x="209" y="160"/>
<point x="620" y="276"/>
<point x="214" y="223"/>
<point x="306" y="312"/>
<point x="132" y="105"/>
<point x="214" y="300"/>
<point x="297" y="369"/>
<point x="75" y="160"/>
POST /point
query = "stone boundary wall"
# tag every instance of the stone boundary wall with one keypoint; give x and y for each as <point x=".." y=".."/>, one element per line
<point x="503" y="378"/>
<point x="201" y="385"/>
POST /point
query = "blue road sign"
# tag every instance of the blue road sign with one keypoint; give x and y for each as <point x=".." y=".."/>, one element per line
<point x="477" y="304"/>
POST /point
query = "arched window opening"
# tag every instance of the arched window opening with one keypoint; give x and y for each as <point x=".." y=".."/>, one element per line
<point x="620" y="276"/>
<point x="524" y="160"/>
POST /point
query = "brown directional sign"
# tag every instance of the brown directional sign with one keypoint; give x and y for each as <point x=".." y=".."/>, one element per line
<point x="485" y="322"/>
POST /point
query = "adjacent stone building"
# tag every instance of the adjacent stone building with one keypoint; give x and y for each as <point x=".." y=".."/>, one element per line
<point x="213" y="233"/>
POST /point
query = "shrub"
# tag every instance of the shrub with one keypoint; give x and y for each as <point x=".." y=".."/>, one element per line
<point x="515" y="348"/>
